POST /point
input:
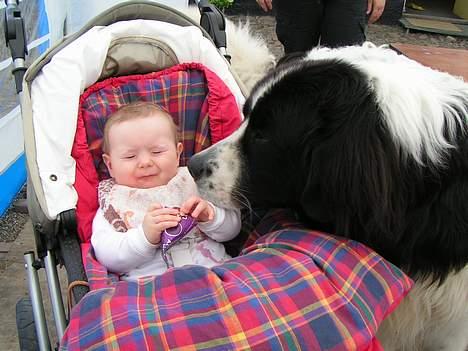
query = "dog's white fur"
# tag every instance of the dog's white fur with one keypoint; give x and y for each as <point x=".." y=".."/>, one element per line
<point x="416" y="103"/>
<point x="224" y="183"/>
<point x="430" y="317"/>
<point x="250" y="56"/>
<point x="417" y="112"/>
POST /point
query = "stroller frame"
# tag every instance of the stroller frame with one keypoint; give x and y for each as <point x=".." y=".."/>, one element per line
<point x="57" y="240"/>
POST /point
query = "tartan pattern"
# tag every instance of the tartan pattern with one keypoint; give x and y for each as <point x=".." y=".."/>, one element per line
<point x="181" y="92"/>
<point x="270" y="221"/>
<point x="292" y="289"/>
<point x="254" y="226"/>
<point x="199" y="101"/>
<point x="97" y="274"/>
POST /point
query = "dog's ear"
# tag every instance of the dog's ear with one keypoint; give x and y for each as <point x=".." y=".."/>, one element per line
<point x="313" y="205"/>
<point x="353" y="174"/>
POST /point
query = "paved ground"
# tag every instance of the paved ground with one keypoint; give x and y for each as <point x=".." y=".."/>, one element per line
<point x="13" y="286"/>
<point x="16" y="231"/>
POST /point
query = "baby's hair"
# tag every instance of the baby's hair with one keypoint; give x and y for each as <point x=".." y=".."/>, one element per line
<point x="135" y="110"/>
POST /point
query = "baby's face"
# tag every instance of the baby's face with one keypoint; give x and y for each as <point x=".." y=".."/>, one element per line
<point x="143" y="153"/>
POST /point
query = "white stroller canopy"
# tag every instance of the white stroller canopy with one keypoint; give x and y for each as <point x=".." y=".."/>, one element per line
<point x="50" y="117"/>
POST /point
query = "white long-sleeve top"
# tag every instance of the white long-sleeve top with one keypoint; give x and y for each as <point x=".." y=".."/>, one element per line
<point x="133" y="256"/>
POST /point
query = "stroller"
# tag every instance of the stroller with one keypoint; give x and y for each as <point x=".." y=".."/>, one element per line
<point x="143" y="37"/>
<point x="291" y="287"/>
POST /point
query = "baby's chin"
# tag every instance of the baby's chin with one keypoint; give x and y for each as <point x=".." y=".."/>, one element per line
<point x="150" y="182"/>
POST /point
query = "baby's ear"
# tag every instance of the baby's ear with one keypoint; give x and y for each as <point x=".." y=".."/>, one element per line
<point x="107" y="161"/>
<point x="180" y="148"/>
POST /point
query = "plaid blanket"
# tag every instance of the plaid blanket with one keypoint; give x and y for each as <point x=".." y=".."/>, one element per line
<point x="293" y="289"/>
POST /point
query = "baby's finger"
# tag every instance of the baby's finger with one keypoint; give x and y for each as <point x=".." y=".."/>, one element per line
<point x="154" y="206"/>
<point x="166" y="211"/>
<point x="166" y="217"/>
<point x="201" y="206"/>
<point x="166" y="225"/>
<point x="211" y="212"/>
<point x="188" y="205"/>
<point x="208" y="212"/>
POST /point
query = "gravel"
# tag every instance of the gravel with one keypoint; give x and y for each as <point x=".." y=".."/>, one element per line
<point x="13" y="221"/>
<point x="379" y="34"/>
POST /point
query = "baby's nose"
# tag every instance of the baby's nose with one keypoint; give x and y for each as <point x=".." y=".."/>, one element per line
<point x="145" y="161"/>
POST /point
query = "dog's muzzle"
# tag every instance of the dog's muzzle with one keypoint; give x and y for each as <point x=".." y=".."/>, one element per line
<point x="216" y="171"/>
<point x="199" y="165"/>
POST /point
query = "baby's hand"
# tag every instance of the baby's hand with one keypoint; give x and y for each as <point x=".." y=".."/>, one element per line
<point x="198" y="208"/>
<point x="157" y="219"/>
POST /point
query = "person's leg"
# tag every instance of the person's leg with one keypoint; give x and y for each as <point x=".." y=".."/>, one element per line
<point x="298" y="23"/>
<point x="344" y="22"/>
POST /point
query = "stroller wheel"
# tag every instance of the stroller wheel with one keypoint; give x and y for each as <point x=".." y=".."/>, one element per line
<point x="25" y="324"/>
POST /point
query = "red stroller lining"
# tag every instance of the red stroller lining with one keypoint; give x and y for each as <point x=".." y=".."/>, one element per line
<point x="200" y="103"/>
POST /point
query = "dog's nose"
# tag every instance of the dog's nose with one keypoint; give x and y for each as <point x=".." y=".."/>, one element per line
<point x="196" y="167"/>
<point x="199" y="165"/>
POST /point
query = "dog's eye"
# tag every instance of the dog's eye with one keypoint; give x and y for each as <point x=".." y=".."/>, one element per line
<point x="258" y="135"/>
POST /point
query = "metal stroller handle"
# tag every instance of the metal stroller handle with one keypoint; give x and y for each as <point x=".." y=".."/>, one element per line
<point x="15" y="38"/>
<point x="212" y="20"/>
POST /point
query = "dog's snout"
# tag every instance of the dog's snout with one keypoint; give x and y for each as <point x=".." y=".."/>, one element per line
<point x="198" y="168"/>
<point x="203" y="164"/>
<point x="194" y="168"/>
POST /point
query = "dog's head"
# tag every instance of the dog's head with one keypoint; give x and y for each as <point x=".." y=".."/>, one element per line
<point x="362" y="140"/>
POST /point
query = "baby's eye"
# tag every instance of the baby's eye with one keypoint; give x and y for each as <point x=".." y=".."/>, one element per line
<point x="129" y="157"/>
<point x="156" y="152"/>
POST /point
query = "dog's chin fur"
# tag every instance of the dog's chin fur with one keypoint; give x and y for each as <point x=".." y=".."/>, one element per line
<point x="251" y="58"/>
<point x="368" y="144"/>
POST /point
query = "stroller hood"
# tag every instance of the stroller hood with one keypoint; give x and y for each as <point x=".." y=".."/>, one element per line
<point x="51" y="100"/>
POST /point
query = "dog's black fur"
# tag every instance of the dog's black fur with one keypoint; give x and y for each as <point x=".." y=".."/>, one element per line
<point x="315" y="141"/>
<point x="324" y="136"/>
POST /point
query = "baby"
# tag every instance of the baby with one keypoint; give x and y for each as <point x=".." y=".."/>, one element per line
<point x="149" y="193"/>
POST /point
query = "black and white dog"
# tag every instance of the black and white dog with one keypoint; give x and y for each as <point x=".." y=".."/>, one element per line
<point x="367" y="144"/>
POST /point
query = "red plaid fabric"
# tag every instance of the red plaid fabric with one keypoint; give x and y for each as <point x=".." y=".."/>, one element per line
<point x="293" y="289"/>
<point x="290" y="289"/>
<point x="200" y="103"/>
<point x="97" y="274"/>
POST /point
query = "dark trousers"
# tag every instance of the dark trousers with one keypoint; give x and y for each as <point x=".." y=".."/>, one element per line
<point x="303" y="24"/>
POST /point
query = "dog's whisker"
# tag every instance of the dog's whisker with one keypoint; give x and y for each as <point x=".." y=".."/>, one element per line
<point x="242" y="199"/>
<point x="244" y="202"/>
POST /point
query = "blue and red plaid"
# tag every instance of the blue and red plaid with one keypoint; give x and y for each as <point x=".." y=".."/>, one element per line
<point x="200" y="103"/>
<point x="182" y="93"/>
<point x="293" y="289"/>
<point x="290" y="289"/>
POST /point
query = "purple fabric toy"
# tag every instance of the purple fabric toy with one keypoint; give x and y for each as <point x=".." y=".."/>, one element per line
<point x="171" y="236"/>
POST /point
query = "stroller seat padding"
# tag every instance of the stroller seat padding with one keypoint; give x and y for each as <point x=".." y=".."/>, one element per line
<point x="200" y="103"/>
<point x="54" y="83"/>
